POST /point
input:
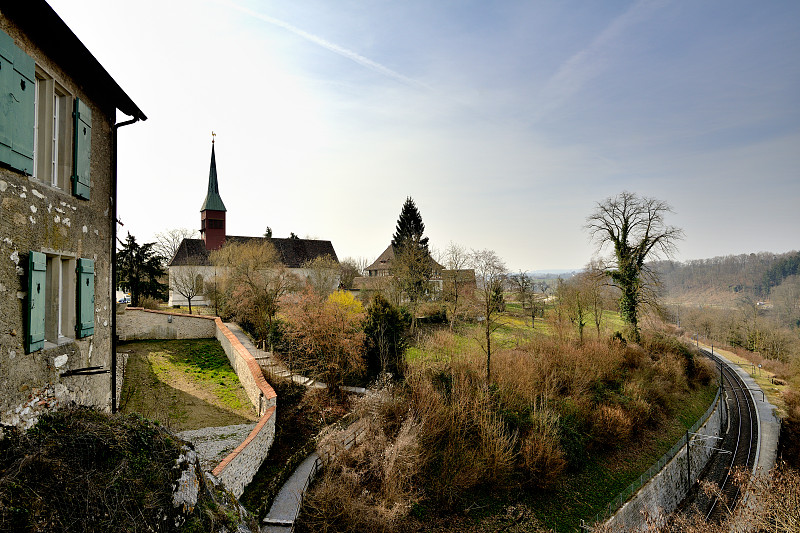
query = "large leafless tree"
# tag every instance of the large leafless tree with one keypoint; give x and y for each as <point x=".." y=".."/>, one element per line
<point x="168" y="242"/>
<point x="635" y="227"/>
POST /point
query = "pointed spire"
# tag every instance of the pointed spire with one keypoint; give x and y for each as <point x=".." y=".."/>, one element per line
<point x="213" y="200"/>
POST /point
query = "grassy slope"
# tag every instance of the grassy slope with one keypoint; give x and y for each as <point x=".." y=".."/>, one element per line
<point x="581" y="495"/>
<point x="184" y="384"/>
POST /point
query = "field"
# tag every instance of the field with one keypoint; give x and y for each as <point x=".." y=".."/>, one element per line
<point x="183" y="384"/>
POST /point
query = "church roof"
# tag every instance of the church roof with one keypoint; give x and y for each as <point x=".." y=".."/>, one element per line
<point x="213" y="200"/>
<point x="294" y="253"/>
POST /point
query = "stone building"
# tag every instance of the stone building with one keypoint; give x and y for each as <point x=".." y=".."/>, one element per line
<point x="191" y="260"/>
<point x="58" y="109"/>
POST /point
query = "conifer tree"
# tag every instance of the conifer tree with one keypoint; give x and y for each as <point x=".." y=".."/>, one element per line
<point x="412" y="264"/>
<point x="410" y="227"/>
<point x="138" y="270"/>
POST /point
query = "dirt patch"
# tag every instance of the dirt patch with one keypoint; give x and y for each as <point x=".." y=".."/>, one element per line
<point x="183" y="384"/>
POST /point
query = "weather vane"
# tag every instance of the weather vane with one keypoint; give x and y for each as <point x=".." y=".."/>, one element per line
<point x="212" y="137"/>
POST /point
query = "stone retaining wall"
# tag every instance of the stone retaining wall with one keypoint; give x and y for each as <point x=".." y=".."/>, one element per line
<point x="135" y="323"/>
<point x="659" y="497"/>
<point x="240" y="466"/>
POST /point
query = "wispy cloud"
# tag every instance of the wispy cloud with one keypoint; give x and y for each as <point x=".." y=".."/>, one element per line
<point x="333" y="47"/>
<point x="588" y="63"/>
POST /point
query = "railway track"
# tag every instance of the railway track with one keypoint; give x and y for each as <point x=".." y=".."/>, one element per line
<point x="739" y="444"/>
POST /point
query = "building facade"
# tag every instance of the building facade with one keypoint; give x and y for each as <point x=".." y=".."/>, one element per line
<point x="57" y="210"/>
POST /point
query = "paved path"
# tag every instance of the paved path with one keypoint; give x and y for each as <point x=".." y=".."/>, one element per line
<point x="286" y="505"/>
<point x="273" y="367"/>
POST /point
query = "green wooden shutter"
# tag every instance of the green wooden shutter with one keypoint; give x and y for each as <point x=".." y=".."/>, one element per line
<point x="35" y="303"/>
<point x="82" y="150"/>
<point x="85" y="324"/>
<point x="17" y="93"/>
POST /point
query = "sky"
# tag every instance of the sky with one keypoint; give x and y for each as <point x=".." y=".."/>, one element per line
<point x="505" y="121"/>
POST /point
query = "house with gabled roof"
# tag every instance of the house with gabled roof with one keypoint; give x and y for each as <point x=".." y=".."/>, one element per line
<point x="193" y="255"/>
<point x="58" y="198"/>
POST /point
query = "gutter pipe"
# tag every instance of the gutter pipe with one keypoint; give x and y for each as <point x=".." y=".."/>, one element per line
<point x="114" y="262"/>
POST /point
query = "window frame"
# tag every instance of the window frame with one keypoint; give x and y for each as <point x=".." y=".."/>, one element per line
<point x="53" y="144"/>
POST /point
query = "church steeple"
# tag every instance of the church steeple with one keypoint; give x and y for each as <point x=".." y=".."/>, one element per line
<point x="212" y="214"/>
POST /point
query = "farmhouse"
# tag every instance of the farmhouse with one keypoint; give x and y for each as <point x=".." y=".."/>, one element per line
<point x="58" y="150"/>
<point x="192" y="257"/>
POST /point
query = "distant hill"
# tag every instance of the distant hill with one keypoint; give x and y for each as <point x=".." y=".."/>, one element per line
<point x="726" y="279"/>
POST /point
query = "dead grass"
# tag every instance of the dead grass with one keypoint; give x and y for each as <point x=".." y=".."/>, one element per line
<point x="445" y="436"/>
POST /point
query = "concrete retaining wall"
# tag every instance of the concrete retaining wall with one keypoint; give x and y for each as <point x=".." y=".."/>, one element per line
<point x="135" y="323"/>
<point x="663" y="493"/>
<point x="240" y="466"/>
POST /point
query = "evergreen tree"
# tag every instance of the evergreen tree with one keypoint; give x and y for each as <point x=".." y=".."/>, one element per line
<point x="386" y="344"/>
<point x="412" y="265"/>
<point x="138" y="270"/>
<point x="410" y="227"/>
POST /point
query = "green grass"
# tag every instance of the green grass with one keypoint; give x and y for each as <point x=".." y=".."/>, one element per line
<point x="183" y="383"/>
<point x="205" y="363"/>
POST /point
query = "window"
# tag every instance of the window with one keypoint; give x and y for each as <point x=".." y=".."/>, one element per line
<point x="52" y="142"/>
<point x="60" y="302"/>
<point x="60" y="298"/>
<point x="44" y="131"/>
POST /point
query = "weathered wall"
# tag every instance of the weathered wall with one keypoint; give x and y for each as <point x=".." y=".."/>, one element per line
<point x="136" y="323"/>
<point x="246" y="367"/>
<point x="662" y="494"/>
<point x="37" y="216"/>
<point x="239" y="468"/>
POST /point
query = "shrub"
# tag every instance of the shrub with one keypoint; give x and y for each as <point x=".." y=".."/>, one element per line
<point x="82" y="470"/>
<point x="384" y="330"/>
<point x="611" y="426"/>
<point x="541" y="457"/>
<point x="149" y="303"/>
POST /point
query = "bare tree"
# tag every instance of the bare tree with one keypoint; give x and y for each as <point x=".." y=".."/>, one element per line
<point x="168" y="242"/>
<point x="349" y="269"/>
<point x="322" y="274"/>
<point x="594" y="283"/>
<point x="530" y="300"/>
<point x="456" y="281"/>
<point x="573" y="301"/>
<point x="635" y="227"/>
<point x="254" y="279"/>
<point x="188" y="281"/>
<point x="490" y="271"/>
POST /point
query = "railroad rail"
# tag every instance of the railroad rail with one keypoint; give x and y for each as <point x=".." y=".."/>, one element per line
<point x="741" y="441"/>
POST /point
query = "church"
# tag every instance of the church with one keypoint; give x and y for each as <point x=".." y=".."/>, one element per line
<point x="192" y="255"/>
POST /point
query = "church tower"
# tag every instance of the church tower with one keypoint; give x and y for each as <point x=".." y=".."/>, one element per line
<point x="212" y="214"/>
